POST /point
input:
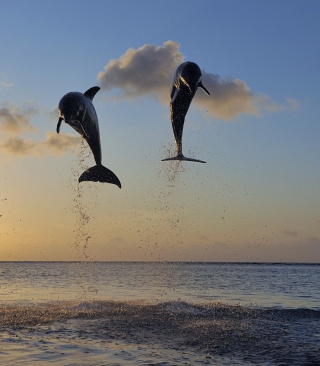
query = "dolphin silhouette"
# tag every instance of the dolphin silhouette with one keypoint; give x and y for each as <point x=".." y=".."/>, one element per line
<point x="77" y="110"/>
<point x="186" y="79"/>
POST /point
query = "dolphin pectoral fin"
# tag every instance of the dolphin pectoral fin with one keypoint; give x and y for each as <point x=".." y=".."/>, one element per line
<point x="200" y="85"/>
<point x="183" y="158"/>
<point x="99" y="173"/>
<point x="59" y="124"/>
<point x="175" y="95"/>
<point x="85" y="133"/>
<point x="90" y="93"/>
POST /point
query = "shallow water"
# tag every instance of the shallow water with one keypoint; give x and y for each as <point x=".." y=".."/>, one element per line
<point x="159" y="314"/>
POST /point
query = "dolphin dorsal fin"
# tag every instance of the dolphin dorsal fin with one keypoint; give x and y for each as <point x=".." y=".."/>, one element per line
<point x="90" y="93"/>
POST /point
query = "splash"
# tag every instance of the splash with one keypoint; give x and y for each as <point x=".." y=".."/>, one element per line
<point x="239" y="335"/>
<point x="84" y="202"/>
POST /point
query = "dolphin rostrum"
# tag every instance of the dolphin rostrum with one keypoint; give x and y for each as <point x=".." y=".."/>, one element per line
<point x="77" y="110"/>
<point x="186" y="79"/>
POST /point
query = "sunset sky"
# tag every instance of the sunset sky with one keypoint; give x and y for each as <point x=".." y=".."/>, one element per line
<point x="258" y="196"/>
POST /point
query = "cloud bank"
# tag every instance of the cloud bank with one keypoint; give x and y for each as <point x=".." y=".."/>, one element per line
<point x="147" y="70"/>
<point x="54" y="144"/>
<point x="15" y="121"/>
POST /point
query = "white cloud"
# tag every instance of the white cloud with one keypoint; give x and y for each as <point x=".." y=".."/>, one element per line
<point x="54" y="144"/>
<point x="228" y="98"/>
<point x="142" y="71"/>
<point x="15" y="120"/>
<point x="58" y="144"/>
<point x="265" y="102"/>
<point x="17" y="146"/>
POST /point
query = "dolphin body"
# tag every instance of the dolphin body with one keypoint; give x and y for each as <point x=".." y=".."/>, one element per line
<point x="77" y="110"/>
<point x="186" y="79"/>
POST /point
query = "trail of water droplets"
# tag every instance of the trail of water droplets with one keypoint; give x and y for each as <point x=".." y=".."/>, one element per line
<point x="84" y="203"/>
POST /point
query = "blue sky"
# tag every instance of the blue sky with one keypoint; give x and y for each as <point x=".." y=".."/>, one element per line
<point x="256" y="199"/>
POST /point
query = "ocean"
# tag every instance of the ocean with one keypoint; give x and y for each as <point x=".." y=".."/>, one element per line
<point x="159" y="313"/>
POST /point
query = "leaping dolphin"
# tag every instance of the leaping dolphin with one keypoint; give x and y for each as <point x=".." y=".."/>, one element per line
<point x="186" y="79"/>
<point x="77" y="110"/>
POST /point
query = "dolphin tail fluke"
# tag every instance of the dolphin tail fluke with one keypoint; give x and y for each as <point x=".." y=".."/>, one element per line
<point x="183" y="158"/>
<point x="99" y="173"/>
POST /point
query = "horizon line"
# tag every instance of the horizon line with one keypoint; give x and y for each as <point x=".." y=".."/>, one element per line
<point x="159" y="261"/>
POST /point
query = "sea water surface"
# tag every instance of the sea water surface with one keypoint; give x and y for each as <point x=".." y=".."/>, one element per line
<point x="159" y="313"/>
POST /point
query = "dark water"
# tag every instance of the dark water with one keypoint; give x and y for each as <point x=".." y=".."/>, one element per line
<point x="159" y="313"/>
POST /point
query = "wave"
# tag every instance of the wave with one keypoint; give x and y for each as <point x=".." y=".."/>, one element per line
<point x="14" y="315"/>
<point x="252" y="334"/>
